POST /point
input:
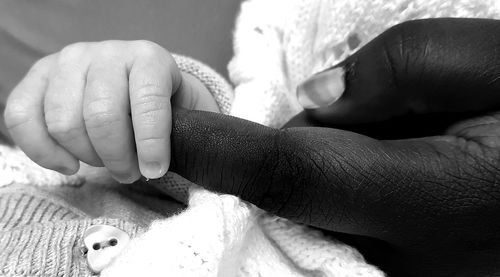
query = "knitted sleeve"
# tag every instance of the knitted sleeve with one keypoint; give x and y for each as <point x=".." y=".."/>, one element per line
<point x="216" y="84"/>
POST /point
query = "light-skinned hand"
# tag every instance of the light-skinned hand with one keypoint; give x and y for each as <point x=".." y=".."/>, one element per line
<point x="103" y="103"/>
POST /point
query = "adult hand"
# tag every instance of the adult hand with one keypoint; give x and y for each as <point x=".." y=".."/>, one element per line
<point x="429" y="190"/>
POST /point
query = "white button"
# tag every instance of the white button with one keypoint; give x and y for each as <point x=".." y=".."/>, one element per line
<point x="102" y="244"/>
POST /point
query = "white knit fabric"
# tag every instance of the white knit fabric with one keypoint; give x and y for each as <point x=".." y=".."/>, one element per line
<point x="279" y="43"/>
<point x="221" y="236"/>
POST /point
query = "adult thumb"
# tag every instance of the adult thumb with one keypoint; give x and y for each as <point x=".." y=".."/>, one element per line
<point x="445" y="65"/>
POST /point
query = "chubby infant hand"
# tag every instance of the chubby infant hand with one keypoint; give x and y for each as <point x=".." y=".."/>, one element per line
<point x="103" y="103"/>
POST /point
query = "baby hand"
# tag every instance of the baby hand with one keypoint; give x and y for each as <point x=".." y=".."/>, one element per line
<point x="104" y="103"/>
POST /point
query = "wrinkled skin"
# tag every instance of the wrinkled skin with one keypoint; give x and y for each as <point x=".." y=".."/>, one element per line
<point x="406" y="165"/>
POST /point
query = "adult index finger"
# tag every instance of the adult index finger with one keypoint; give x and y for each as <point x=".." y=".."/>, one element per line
<point x="405" y="192"/>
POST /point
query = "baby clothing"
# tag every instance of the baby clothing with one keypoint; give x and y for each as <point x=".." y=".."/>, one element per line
<point x="278" y="43"/>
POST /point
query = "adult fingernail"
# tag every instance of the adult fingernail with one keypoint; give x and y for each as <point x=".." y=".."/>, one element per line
<point x="322" y="89"/>
<point x="152" y="170"/>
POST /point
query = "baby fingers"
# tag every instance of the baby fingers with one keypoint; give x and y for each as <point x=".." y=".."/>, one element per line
<point x="63" y="103"/>
<point x="153" y="78"/>
<point x="107" y="121"/>
<point x="24" y="118"/>
<point x="105" y="103"/>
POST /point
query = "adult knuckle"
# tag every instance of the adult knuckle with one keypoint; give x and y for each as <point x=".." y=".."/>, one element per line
<point x="280" y="165"/>
<point x="307" y="175"/>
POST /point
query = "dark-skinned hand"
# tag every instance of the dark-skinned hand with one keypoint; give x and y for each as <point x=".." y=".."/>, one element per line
<point x="406" y="164"/>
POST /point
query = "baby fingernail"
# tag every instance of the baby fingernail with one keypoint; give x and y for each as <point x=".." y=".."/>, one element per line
<point x="322" y="89"/>
<point x="152" y="170"/>
<point x="123" y="178"/>
<point x="65" y="170"/>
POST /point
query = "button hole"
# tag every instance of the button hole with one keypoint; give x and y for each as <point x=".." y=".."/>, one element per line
<point x="113" y="242"/>
<point x="96" y="246"/>
<point x="84" y="250"/>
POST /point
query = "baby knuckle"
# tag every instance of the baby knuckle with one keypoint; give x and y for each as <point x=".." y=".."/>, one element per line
<point x="16" y="114"/>
<point x="147" y="89"/>
<point x="150" y="109"/>
<point x="62" y="129"/>
<point x="64" y="75"/>
<point x="73" y="52"/>
<point x="100" y="120"/>
<point x="109" y="49"/>
<point x="146" y="45"/>
<point x="148" y="48"/>
<point x="41" y="64"/>
<point x="99" y="87"/>
<point x="143" y="140"/>
<point x="99" y="117"/>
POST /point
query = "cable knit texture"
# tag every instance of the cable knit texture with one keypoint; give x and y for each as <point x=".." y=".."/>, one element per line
<point x="280" y="43"/>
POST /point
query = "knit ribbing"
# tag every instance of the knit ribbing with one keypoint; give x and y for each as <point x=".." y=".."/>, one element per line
<point x="41" y="237"/>
<point x="218" y="87"/>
